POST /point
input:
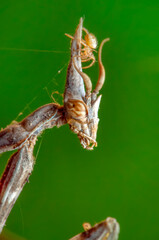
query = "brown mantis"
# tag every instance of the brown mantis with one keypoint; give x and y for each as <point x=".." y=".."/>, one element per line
<point x="80" y="111"/>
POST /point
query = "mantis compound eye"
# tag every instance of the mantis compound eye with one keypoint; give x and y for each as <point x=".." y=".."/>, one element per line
<point x="76" y="109"/>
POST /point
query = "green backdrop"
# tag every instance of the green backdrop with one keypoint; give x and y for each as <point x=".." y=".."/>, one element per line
<point x="70" y="185"/>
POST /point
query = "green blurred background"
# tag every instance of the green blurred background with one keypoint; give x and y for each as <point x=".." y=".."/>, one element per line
<point x="70" y="185"/>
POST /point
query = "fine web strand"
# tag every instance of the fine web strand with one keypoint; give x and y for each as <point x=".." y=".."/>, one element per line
<point x="54" y="80"/>
<point x="32" y="50"/>
<point x="42" y="89"/>
<point x="22" y="217"/>
<point x="46" y="87"/>
<point x="41" y="140"/>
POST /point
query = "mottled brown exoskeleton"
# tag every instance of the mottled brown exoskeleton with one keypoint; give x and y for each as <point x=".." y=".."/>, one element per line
<point x="80" y="111"/>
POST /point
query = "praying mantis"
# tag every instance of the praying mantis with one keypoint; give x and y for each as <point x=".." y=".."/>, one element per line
<point x="80" y="111"/>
